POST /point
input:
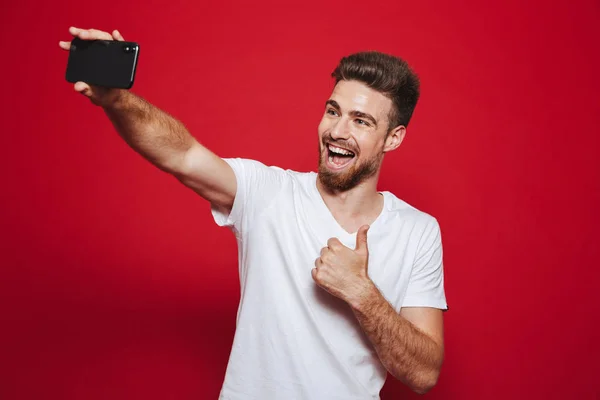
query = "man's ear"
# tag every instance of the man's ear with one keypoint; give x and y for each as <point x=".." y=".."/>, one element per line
<point x="394" y="138"/>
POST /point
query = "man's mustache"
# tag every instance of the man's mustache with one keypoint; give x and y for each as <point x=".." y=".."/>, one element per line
<point x="341" y="143"/>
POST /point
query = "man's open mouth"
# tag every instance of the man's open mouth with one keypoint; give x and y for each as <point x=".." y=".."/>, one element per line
<point x="339" y="157"/>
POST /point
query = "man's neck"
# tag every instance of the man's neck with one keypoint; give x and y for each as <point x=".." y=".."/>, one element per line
<point x="360" y="201"/>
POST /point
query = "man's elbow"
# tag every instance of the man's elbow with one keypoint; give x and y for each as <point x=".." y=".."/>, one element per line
<point x="426" y="383"/>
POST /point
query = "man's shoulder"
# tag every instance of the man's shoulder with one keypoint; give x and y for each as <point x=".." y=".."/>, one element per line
<point x="398" y="207"/>
<point x="253" y="170"/>
<point x="250" y="162"/>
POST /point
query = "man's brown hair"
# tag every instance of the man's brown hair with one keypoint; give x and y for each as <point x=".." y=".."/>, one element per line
<point x="389" y="75"/>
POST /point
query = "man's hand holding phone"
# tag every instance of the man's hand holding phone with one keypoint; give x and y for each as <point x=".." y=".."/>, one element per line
<point x="99" y="95"/>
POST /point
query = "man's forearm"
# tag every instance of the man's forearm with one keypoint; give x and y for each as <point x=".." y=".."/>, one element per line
<point x="407" y="353"/>
<point x="151" y="132"/>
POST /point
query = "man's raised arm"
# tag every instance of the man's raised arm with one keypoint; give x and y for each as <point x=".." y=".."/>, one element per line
<point x="160" y="138"/>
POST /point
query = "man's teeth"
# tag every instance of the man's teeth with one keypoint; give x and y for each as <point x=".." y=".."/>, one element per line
<point x="337" y="150"/>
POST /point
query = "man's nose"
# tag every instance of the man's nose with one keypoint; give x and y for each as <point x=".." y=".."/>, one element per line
<point x="340" y="129"/>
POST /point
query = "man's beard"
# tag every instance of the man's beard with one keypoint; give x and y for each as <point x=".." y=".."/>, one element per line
<point x="345" y="180"/>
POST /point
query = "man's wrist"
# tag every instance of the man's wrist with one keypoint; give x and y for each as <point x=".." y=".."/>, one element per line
<point x="365" y="294"/>
<point x="115" y="99"/>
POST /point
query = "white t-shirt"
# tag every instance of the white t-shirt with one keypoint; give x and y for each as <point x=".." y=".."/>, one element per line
<point x="293" y="339"/>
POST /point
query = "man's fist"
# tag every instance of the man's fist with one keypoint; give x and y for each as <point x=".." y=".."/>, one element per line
<point x="342" y="271"/>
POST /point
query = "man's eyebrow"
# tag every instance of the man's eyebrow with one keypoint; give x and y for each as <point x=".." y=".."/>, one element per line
<point x="354" y="113"/>
<point x="360" y="114"/>
<point x="332" y="103"/>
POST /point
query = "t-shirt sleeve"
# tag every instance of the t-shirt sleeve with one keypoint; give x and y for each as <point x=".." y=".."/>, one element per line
<point x="257" y="186"/>
<point x="426" y="284"/>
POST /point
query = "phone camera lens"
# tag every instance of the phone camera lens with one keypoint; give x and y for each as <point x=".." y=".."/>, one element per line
<point x="127" y="49"/>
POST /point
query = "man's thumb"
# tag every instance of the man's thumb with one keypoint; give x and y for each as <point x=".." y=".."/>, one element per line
<point x="83" y="88"/>
<point x="98" y="95"/>
<point x="361" y="239"/>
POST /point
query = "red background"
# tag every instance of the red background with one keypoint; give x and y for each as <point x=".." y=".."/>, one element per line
<point x="115" y="283"/>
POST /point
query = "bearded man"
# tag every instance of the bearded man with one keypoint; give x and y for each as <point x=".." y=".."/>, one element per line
<point x="340" y="283"/>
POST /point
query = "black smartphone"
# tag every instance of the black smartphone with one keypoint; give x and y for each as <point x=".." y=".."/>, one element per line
<point x="108" y="63"/>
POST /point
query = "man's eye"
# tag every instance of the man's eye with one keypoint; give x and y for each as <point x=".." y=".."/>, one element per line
<point x="331" y="112"/>
<point x="362" y="122"/>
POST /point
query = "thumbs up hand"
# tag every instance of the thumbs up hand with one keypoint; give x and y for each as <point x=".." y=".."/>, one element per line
<point x="342" y="271"/>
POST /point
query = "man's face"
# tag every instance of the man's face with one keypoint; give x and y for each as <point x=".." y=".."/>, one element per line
<point x="352" y="135"/>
